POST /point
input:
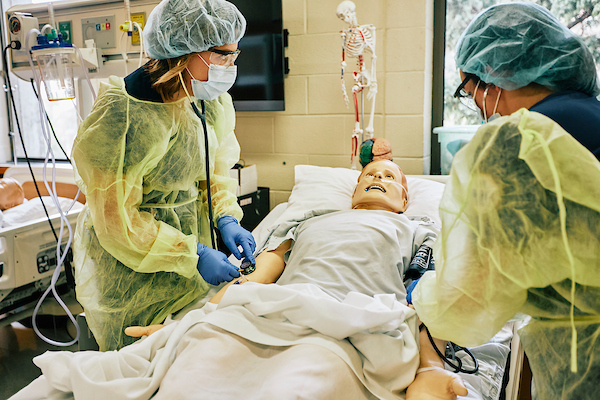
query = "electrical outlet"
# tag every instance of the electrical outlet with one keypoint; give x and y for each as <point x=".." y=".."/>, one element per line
<point x="101" y="29"/>
<point x="140" y="18"/>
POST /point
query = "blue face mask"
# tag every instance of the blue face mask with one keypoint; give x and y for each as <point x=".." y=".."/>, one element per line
<point x="220" y="80"/>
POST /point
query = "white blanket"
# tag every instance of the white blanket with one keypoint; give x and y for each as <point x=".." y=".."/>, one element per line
<point x="374" y="336"/>
<point x="33" y="209"/>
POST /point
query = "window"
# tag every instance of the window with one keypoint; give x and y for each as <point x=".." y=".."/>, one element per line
<point x="581" y="17"/>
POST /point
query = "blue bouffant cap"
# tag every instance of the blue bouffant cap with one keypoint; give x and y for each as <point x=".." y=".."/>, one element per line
<point x="512" y="45"/>
<point x="179" y="27"/>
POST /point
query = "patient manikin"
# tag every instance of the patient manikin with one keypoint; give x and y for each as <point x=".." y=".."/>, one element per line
<point x="381" y="186"/>
<point x="11" y="193"/>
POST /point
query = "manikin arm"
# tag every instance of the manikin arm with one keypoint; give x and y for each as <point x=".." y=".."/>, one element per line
<point x="269" y="266"/>
<point x="432" y="381"/>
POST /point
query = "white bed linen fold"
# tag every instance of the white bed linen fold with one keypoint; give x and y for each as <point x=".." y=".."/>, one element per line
<point x="374" y="336"/>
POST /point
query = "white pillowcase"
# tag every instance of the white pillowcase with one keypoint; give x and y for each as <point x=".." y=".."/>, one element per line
<point x="326" y="188"/>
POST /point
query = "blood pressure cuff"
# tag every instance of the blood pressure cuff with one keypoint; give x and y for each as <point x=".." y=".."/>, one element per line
<point x="421" y="262"/>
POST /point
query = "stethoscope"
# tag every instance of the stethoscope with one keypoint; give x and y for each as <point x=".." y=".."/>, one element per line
<point x="202" y="116"/>
<point x="454" y="348"/>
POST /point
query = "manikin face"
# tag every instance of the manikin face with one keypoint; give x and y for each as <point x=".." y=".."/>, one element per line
<point x="11" y="193"/>
<point x="381" y="186"/>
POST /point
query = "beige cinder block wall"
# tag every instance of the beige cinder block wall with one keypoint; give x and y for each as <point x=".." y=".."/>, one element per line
<point x="316" y="126"/>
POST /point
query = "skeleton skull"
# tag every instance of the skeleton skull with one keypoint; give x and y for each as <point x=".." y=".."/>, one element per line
<point x="346" y="11"/>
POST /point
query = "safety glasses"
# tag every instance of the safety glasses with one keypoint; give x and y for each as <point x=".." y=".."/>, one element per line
<point x="223" y="57"/>
<point x="465" y="97"/>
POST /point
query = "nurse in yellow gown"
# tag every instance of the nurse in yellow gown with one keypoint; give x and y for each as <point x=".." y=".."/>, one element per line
<point x="142" y="244"/>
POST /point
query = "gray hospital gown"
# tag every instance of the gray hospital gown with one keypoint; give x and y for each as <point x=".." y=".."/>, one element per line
<point x="354" y="250"/>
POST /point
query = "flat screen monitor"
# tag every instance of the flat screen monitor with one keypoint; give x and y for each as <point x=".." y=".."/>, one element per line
<point x="261" y="69"/>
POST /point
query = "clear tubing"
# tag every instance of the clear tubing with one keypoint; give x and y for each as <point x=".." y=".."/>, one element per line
<point x="60" y="253"/>
<point x="51" y="14"/>
<point x="139" y="28"/>
<point x="128" y="11"/>
<point x="85" y="73"/>
<point x="27" y="46"/>
<point x="46" y="28"/>
<point x="124" y="51"/>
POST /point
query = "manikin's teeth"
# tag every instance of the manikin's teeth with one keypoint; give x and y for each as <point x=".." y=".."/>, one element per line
<point x="375" y="187"/>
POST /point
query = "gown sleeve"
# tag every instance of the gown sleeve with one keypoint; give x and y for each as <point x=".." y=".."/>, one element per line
<point x="221" y="118"/>
<point x="517" y="214"/>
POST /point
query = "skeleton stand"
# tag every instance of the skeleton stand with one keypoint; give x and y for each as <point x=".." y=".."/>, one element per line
<point x="355" y="40"/>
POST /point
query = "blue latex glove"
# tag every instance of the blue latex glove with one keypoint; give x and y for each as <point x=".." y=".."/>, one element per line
<point x="214" y="266"/>
<point x="409" y="291"/>
<point x="234" y="235"/>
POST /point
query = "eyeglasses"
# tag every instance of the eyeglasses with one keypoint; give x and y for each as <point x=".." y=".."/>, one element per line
<point x="223" y="57"/>
<point x="465" y="97"/>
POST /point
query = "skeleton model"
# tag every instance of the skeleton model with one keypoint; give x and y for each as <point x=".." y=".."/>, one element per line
<point x="357" y="39"/>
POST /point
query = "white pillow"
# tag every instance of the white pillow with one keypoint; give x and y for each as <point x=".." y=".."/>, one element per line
<point x="326" y="188"/>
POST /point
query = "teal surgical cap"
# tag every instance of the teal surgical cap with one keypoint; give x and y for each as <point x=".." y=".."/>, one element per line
<point x="179" y="27"/>
<point x="512" y="45"/>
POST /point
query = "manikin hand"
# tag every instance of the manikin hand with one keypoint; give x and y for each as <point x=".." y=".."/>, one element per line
<point x="234" y="235"/>
<point x="139" y="331"/>
<point x="436" y="384"/>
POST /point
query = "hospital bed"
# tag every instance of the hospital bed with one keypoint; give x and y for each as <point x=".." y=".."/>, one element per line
<point x="331" y="188"/>
<point x="28" y="246"/>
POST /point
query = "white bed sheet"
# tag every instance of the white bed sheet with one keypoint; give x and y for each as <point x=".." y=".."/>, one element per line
<point x="371" y="335"/>
<point x="32" y="210"/>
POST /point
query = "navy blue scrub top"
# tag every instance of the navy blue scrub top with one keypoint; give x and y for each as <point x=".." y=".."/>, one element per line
<point x="139" y="85"/>
<point x="577" y="113"/>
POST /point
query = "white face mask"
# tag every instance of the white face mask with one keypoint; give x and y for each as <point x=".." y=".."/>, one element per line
<point x="220" y="80"/>
<point x="495" y="114"/>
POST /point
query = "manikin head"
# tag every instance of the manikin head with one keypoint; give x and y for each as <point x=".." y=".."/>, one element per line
<point x="381" y="186"/>
<point x="11" y="193"/>
<point x="346" y="11"/>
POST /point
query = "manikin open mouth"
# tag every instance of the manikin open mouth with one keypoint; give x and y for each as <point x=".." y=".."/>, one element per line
<point x="377" y="187"/>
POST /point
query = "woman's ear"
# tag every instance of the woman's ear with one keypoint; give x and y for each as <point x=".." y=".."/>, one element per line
<point x="493" y="88"/>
